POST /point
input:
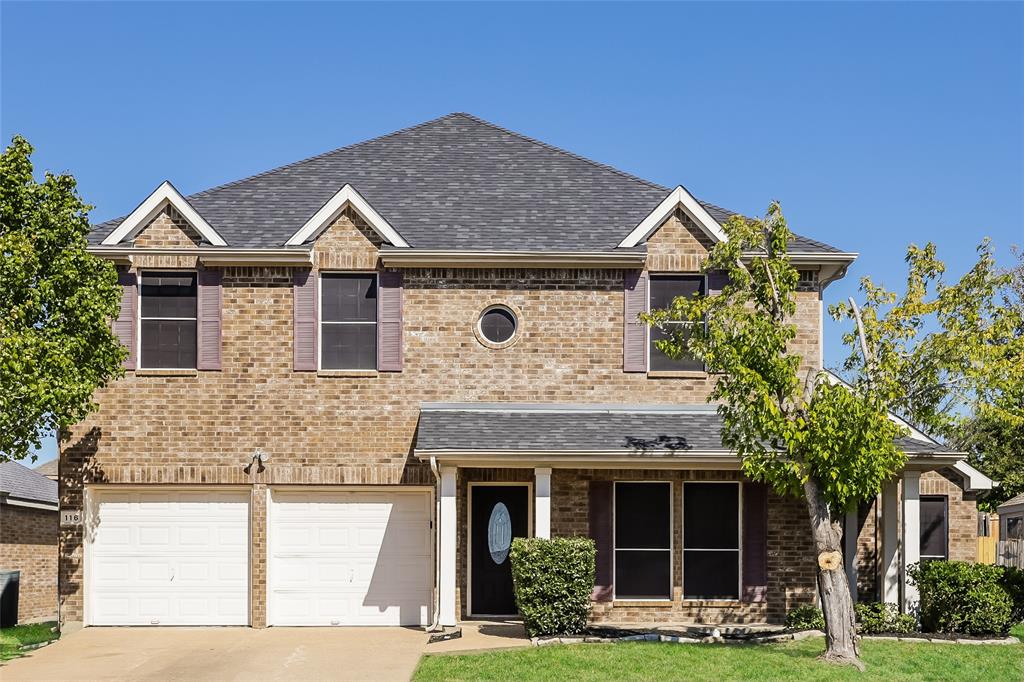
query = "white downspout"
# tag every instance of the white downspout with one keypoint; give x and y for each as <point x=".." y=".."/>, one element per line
<point x="437" y="545"/>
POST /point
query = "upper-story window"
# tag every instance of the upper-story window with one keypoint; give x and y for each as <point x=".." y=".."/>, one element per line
<point x="348" y="321"/>
<point x="664" y="289"/>
<point x="168" y="320"/>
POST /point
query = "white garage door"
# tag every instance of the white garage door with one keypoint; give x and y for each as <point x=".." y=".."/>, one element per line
<point x="349" y="558"/>
<point x="168" y="558"/>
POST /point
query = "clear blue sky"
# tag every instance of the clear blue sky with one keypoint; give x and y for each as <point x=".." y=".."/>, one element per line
<point x="876" y="125"/>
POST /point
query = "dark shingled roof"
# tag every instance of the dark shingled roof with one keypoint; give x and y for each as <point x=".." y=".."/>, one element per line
<point x="457" y="183"/>
<point x="513" y="427"/>
<point x="20" y="482"/>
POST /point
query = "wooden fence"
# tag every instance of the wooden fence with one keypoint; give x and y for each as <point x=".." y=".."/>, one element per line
<point x="987" y="549"/>
<point x="1010" y="553"/>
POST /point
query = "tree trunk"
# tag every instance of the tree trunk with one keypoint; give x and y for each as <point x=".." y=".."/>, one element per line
<point x="836" y="603"/>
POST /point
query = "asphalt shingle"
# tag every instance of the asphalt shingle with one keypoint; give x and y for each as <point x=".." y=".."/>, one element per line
<point x="18" y="481"/>
<point x="457" y="183"/>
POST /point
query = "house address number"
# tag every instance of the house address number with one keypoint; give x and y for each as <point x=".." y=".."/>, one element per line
<point x="71" y="518"/>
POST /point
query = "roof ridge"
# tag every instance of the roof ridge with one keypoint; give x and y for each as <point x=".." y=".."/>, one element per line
<point x="564" y="152"/>
<point x="323" y="154"/>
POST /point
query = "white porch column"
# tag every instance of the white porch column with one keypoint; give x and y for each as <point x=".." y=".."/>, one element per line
<point x="911" y="536"/>
<point x="890" y="567"/>
<point x="850" y="551"/>
<point x="542" y="503"/>
<point x="447" y="527"/>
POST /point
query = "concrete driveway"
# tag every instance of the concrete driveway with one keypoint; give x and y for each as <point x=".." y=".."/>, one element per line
<point x="293" y="654"/>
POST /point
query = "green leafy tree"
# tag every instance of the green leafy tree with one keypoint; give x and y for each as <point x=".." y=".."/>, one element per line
<point x="58" y="301"/>
<point x="794" y="426"/>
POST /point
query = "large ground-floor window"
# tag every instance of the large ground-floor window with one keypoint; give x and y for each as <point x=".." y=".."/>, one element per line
<point x="711" y="540"/>
<point x="643" y="540"/>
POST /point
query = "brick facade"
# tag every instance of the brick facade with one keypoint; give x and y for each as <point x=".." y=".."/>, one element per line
<point x="28" y="543"/>
<point x="334" y="428"/>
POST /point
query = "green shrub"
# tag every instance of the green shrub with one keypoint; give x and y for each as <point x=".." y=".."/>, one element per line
<point x="805" y="618"/>
<point x="1013" y="583"/>
<point x="553" y="580"/>
<point x="961" y="597"/>
<point x="875" y="617"/>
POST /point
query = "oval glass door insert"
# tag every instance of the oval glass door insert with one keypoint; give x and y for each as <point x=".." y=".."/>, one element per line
<point x="499" y="533"/>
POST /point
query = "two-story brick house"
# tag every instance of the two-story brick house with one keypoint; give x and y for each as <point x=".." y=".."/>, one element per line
<point x="355" y="378"/>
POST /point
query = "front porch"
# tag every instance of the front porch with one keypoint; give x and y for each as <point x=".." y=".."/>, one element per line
<point x="682" y="537"/>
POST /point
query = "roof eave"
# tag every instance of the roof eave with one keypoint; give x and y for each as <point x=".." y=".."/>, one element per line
<point x="214" y="255"/>
<point x="487" y="259"/>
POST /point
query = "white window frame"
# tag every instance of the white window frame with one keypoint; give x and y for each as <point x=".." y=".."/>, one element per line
<point x="739" y="543"/>
<point x="138" y="323"/>
<point x="651" y="276"/>
<point x="670" y="549"/>
<point x="320" y="318"/>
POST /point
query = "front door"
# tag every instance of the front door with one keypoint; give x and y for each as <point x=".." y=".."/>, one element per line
<point x="500" y="513"/>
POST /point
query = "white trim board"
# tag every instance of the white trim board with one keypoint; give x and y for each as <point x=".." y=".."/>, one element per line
<point x="163" y="196"/>
<point x="678" y="197"/>
<point x="347" y="196"/>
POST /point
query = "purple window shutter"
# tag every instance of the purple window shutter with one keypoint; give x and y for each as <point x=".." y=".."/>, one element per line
<point x="209" y="319"/>
<point x="305" y="331"/>
<point x="389" y="322"/>
<point x="634" y="332"/>
<point x="755" y="541"/>
<point x="601" y="534"/>
<point x="124" y="325"/>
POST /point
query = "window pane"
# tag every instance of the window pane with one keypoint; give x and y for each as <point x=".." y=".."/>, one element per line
<point x="663" y="291"/>
<point x="498" y="325"/>
<point x="711" y="516"/>
<point x="643" y="575"/>
<point x="711" y="575"/>
<point x="168" y="343"/>
<point x="933" y="527"/>
<point x="1014" y="528"/>
<point x="349" y="298"/>
<point x="348" y="346"/>
<point x="662" y="362"/>
<point x="642" y="515"/>
<point x="169" y="294"/>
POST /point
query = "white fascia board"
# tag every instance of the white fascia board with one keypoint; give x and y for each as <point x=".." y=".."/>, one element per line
<point x="974" y="479"/>
<point x="162" y="196"/>
<point x="676" y="198"/>
<point x="347" y="196"/>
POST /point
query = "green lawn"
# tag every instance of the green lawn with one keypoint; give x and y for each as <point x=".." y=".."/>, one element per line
<point x="787" y="661"/>
<point x="12" y="638"/>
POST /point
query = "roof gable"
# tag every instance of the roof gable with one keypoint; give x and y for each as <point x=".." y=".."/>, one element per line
<point x="163" y="196"/>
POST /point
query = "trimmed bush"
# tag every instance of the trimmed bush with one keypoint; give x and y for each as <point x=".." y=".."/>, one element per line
<point x="805" y="618"/>
<point x="962" y="597"/>
<point x="553" y="580"/>
<point x="875" y="617"/>
<point x="1013" y="583"/>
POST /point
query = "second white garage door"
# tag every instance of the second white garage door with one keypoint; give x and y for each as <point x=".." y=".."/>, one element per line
<point x="349" y="558"/>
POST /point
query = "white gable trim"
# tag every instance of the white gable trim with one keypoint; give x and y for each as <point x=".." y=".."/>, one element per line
<point x="163" y="196"/>
<point x="679" y="197"/>
<point x="347" y="196"/>
<point x="974" y="479"/>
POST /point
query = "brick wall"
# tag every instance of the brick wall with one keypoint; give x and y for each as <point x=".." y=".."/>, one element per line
<point x="201" y="427"/>
<point x="28" y="543"/>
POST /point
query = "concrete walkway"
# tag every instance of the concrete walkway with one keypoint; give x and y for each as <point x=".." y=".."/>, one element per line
<point x="291" y="654"/>
<point x="483" y="635"/>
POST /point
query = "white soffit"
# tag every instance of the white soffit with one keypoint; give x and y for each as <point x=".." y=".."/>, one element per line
<point x="679" y="197"/>
<point x="347" y="196"/>
<point x="974" y="479"/>
<point x="162" y="196"/>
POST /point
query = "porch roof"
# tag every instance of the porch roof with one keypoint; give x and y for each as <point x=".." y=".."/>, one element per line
<point x="680" y="432"/>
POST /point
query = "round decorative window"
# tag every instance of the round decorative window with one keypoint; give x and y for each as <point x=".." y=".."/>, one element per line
<point x="498" y="324"/>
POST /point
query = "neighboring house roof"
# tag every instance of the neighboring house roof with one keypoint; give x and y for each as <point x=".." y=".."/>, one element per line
<point x="453" y="183"/>
<point x="643" y="429"/>
<point x="1011" y="504"/>
<point x="21" y="485"/>
<point x="48" y="469"/>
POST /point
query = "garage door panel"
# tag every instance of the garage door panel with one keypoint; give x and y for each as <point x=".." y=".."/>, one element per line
<point x="169" y="558"/>
<point x="350" y="558"/>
